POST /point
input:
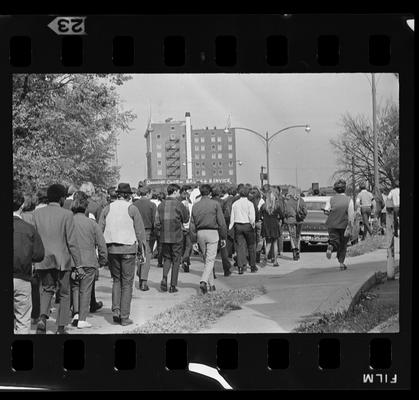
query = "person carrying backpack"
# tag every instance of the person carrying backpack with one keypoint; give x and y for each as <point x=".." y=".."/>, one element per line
<point x="295" y="213"/>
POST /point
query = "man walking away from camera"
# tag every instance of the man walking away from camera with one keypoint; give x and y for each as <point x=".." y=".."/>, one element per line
<point x="364" y="200"/>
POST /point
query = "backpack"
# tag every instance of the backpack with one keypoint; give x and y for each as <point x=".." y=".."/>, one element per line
<point x="300" y="213"/>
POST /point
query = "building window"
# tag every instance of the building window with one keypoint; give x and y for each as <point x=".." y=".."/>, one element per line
<point x="213" y="140"/>
<point x="196" y="156"/>
<point x="219" y="139"/>
<point x="158" y="136"/>
<point x="159" y="163"/>
<point x="159" y="147"/>
<point x="214" y="163"/>
<point x="230" y="147"/>
<point x="197" y="164"/>
<point x="195" y="133"/>
<point x="196" y="148"/>
<point x="213" y="155"/>
<point x="172" y="128"/>
<point x="213" y="133"/>
<point x="230" y="163"/>
<point x="230" y="139"/>
<point x="203" y="173"/>
<point x="213" y="147"/>
<point x="197" y="172"/>
<point x="230" y="155"/>
<point x="202" y="148"/>
<point x="220" y="148"/>
<point x="220" y="172"/>
<point x="196" y="140"/>
<point x="158" y="154"/>
<point x="159" y="172"/>
<point x="183" y="135"/>
<point x="220" y="163"/>
<point x="202" y="139"/>
<point x="202" y="156"/>
<point x="220" y="156"/>
<point x="231" y="172"/>
<point x="214" y="172"/>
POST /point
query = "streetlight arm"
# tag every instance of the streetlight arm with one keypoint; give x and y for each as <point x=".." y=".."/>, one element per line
<point x="284" y="129"/>
<point x="252" y="131"/>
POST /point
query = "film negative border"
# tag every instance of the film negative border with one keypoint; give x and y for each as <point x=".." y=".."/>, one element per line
<point x="213" y="44"/>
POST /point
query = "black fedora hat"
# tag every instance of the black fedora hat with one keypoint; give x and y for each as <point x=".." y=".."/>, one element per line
<point x="123" y="188"/>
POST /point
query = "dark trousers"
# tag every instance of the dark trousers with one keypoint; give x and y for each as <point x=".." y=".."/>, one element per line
<point x="366" y="213"/>
<point x="187" y="247"/>
<point x="49" y="279"/>
<point x="396" y="219"/>
<point x="122" y="268"/>
<point x="172" y="256"/>
<point x="229" y="242"/>
<point x="339" y="243"/>
<point x="144" y="269"/>
<point x="246" y="243"/>
<point x="36" y="300"/>
<point x="93" y="294"/>
<point x="224" y="258"/>
<point x="81" y="292"/>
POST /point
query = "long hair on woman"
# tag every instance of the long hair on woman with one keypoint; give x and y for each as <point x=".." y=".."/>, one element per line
<point x="271" y="201"/>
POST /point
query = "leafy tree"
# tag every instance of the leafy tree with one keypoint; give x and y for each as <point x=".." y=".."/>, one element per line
<point x="65" y="128"/>
<point x="357" y="141"/>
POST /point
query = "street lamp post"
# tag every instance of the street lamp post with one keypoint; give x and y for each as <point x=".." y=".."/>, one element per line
<point x="267" y="139"/>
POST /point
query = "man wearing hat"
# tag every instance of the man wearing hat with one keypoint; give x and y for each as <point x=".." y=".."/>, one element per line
<point x="340" y="211"/>
<point x="125" y="236"/>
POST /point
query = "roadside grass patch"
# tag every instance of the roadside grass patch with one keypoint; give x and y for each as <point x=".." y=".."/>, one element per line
<point x="367" y="314"/>
<point x="199" y="311"/>
<point x="368" y="245"/>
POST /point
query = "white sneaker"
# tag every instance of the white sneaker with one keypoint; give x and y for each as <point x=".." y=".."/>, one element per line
<point x="83" y="324"/>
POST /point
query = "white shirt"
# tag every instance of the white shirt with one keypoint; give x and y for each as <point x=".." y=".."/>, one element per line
<point x="261" y="203"/>
<point x="15" y="214"/>
<point x="156" y="202"/>
<point x="242" y="212"/>
<point x="395" y="196"/>
<point x="194" y="194"/>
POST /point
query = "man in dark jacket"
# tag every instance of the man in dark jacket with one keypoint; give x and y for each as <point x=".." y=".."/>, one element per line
<point x="148" y="213"/>
<point x="207" y="227"/>
<point x="27" y="248"/>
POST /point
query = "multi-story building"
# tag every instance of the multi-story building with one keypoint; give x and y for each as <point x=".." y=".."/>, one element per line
<point x="175" y="151"/>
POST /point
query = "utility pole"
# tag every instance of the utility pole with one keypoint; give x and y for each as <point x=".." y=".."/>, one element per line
<point x="353" y="180"/>
<point x="374" y="131"/>
<point x="261" y="175"/>
<point x="267" y="156"/>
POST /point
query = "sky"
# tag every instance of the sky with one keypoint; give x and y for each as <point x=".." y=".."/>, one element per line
<point x="261" y="102"/>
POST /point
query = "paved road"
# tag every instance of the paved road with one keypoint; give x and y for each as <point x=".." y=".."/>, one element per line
<point x="295" y="290"/>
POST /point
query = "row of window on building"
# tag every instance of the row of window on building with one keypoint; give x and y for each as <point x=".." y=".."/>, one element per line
<point x="203" y="172"/>
<point x="219" y="139"/>
<point x="201" y="156"/>
<point x="173" y="136"/>
<point x="202" y="148"/>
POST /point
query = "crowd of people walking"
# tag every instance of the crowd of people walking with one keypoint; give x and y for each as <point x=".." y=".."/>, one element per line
<point x="62" y="236"/>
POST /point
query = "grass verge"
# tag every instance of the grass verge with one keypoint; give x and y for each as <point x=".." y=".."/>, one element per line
<point x="368" y="245"/>
<point x="199" y="311"/>
<point x="373" y="308"/>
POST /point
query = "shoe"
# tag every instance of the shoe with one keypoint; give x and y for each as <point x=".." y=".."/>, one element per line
<point x="329" y="251"/>
<point x="61" y="332"/>
<point x="294" y="254"/>
<point x="241" y="270"/>
<point x="298" y="254"/>
<point x="212" y="288"/>
<point x="254" y="269"/>
<point x="227" y="273"/>
<point x="96" y="307"/>
<point x="173" y="289"/>
<point x="84" y="324"/>
<point x="34" y="321"/>
<point x="126" y="321"/>
<point x="163" y="285"/>
<point x="143" y="286"/>
<point x="343" y="267"/>
<point x="41" y="328"/>
<point x="159" y="265"/>
<point x="203" y="287"/>
<point x="185" y="267"/>
<point x="75" y="320"/>
<point x="276" y="264"/>
<point x="116" y="319"/>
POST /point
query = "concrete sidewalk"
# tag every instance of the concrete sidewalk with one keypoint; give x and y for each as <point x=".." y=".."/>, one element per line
<point x="295" y="290"/>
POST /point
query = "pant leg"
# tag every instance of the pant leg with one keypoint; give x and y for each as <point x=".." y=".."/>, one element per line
<point x="145" y="268"/>
<point x="240" y="246"/>
<point x="177" y="251"/>
<point x="250" y="237"/>
<point x="63" y="315"/>
<point x="293" y="235"/>
<point x="75" y="295"/>
<point x="47" y="279"/>
<point x="366" y="212"/>
<point x="35" y="296"/>
<point x="343" y="242"/>
<point x="187" y="247"/>
<point x="86" y="285"/>
<point x="334" y="238"/>
<point x="160" y="253"/>
<point x="22" y="306"/>
<point x="224" y="259"/>
<point x="396" y="214"/>
<point x="298" y="234"/>
<point x="268" y="248"/>
<point x="93" y="294"/>
<point x="208" y="242"/>
<point x="115" y="270"/>
<point x="167" y="257"/>
<point x="127" y="282"/>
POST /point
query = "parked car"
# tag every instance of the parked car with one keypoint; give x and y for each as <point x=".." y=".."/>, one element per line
<point x="313" y="231"/>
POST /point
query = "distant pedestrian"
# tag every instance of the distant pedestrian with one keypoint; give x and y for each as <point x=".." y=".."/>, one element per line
<point x="394" y="196"/>
<point x="28" y="208"/>
<point x="27" y="249"/>
<point x="187" y="244"/>
<point x="226" y="207"/>
<point x="255" y="197"/>
<point x="364" y="203"/>
<point x="170" y="217"/>
<point x="70" y="192"/>
<point x="295" y="213"/>
<point x="56" y="227"/>
<point x="148" y="214"/>
<point x="207" y="229"/>
<point x="90" y="238"/>
<point x="243" y="221"/>
<point x="341" y="215"/>
<point x="125" y="237"/>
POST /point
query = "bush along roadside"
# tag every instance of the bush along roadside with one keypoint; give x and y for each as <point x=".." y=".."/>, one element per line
<point x="199" y="311"/>
<point x="371" y="243"/>
<point x="369" y="312"/>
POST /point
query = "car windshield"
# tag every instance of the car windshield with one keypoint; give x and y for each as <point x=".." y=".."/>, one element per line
<point x="315" y="205"/>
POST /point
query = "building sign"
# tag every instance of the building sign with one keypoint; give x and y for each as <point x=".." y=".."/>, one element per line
<point x="185" y="181"/>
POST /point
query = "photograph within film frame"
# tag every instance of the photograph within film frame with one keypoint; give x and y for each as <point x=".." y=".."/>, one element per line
<point x="83" y="98"/>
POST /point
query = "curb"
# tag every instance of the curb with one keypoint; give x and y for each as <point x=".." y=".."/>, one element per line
<point x="372" y="281"/>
